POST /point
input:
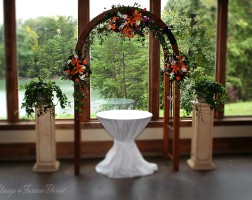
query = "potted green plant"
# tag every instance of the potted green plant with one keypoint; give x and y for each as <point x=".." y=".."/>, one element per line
<point x="41" y="94"/>
<point x="201" y="87"/>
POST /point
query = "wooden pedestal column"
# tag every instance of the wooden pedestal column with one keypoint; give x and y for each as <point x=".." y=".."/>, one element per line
<point x="201" y="145"/>
<point x="45" y="143"/>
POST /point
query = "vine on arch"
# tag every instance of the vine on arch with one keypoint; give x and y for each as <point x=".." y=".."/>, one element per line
<point x="129" y="22"/>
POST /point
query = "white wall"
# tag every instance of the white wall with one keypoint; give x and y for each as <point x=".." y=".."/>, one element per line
<point x="24" y="136"/>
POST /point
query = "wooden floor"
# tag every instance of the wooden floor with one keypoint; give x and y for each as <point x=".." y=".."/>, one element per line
<point x="231" y="180"/>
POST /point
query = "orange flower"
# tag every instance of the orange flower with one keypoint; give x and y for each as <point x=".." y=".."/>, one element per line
<point x="131" y="21"/>
<point x="114" y="18"/>
<point x="127" y="31"/>
<point x="178" y="78"/>
<point x="176" y="68"/>
<point x="68" y="71"/>
<point x="113" y="26"/>
<point x="168" y="65"/>
<point x="84" y="62"/>
<point x="79" y="69"/>
<point x="181" y="60"/>
<point x="110" y="25"/>
<point x="131" y="35"/>
<point x="137" y="16"/>
<point x="135" y="19"/>
<point x="75" y="61"/>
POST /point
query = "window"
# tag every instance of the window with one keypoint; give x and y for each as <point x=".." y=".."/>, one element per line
<point x="3" y="113"/>
<point x="25" y="32"/>
<point x="44" y="38"/>
<point x="239" y="51"/>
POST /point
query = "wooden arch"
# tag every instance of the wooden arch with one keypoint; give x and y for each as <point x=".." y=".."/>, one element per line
<point x="171" y="93"/>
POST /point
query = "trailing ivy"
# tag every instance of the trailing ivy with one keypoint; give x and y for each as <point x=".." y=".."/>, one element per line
<point x="41" y="94"/>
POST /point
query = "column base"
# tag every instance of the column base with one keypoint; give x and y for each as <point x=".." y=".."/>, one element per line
<point x="46" y="166"/>
<point x="201" y="165"/>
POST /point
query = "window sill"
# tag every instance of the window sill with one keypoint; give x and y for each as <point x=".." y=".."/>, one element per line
<point x="95" y="124"/>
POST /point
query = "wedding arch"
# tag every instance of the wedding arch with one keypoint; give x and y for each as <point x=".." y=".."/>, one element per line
<point x="143" y="19"/>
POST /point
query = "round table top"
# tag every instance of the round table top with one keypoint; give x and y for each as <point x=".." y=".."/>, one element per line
<point x="124" y="114"/>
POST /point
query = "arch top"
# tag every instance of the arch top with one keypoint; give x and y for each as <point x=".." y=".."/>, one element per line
<point x="137" y="18"/>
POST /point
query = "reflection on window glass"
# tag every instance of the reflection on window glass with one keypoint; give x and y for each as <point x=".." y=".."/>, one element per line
<point x="120" y="68"/>
<point x="46" y="31"/>
<point x="194" y="26"/>
<point x="239" y="51"/>
<point x="3" y="113"/>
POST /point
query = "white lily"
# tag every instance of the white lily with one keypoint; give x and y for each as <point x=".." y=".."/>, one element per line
<point x="124" y="16"/>
<point x="138" y="22"/>
<point x="82" y="77"/>
<point x="183" y="69"/>
<point x="122" y="25"/>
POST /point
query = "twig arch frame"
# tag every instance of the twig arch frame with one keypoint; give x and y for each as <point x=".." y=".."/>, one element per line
<point x="170" y="89"/>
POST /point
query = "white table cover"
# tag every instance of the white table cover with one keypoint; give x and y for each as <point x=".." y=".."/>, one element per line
<point x="124" y="159"/>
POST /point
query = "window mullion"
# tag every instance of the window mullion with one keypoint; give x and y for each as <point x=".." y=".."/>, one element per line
<point x="154" y="66"/>
<point x="221" y="46"/>
<point x="11" y="60"/>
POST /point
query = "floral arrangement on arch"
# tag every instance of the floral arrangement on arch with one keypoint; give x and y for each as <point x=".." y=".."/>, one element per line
<point x="129" y="24"/>
<point x="177" y="68"/>
<point x="77" y="68"/>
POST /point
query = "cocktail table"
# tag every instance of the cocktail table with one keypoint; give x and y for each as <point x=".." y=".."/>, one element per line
<point x="124" y="159"/>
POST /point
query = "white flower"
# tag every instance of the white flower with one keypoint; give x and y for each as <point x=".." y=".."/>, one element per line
<point x="171" y="75"/>
<point x="82" y="77"/>
<point x="122" y="25"/>
<point x="69" y="61"/>
<point x="138" y="22"/>
<point x="119" y="14"/>
<point x="183" y="69"/>
<point x="124" y="16"/>
<point x="83" y="67"/>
